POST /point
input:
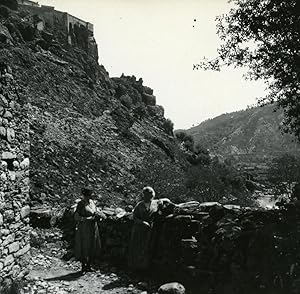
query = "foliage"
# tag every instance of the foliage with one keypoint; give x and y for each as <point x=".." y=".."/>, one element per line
<point x="217" y="181"/>
<point x="255" y="129"/>
<point x="201" y="155"/>
<point x="284" y="171"/>
<point x="185" y="140"/>
<point x="195" y="153"/>
<point x="264" y="37"/>
<point x="13" y="287"/>
<point x="12" y="4"/>
<point x="209" y="179"/>
<point x="296" y="191"/>
<point x="168" y="126"/>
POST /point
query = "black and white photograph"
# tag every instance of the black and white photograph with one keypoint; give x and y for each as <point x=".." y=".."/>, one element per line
<point x="150" y="146"/>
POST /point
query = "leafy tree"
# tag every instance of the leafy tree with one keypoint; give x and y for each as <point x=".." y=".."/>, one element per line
<point x="214" y="181"/>
<point x="168" y="126"/>
<point x="264" y="37"/>
<point x="204" y="184"/>
<point x="284" y="171"/>
<point x="12" y="4"/>
<point x="186" y="140"/>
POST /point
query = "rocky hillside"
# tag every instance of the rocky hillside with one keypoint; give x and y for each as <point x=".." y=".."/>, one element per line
<point x="252" y="131"/>
<point x="85" y="127"/>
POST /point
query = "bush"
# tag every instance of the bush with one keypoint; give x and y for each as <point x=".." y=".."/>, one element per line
<point x="186" y="140"/>
<point x="283" y="172"/>
<point x="169" y="126"/>
<point x="12" y="4"/>
<point x="4" y="11"/>
<point x="214" y="181"/>
<point x="11" y="287"/>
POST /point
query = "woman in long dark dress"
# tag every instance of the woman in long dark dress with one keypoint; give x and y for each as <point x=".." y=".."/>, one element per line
<point x="140" y="243"/>
<point x="87" y="238"/>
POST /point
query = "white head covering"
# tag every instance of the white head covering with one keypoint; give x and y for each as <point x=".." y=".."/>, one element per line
<point x="150" y="190"/>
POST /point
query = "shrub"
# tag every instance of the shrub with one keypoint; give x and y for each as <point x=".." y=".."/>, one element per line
<point x="11" y="287"/>
<point x="4" y="11"/>
<point x="283" y="172"/>
<point x="168" y="126"/>
<point x="186" y="140"/>
<point x="12" y="4"/>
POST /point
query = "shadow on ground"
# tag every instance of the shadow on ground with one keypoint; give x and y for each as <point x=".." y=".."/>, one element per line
<point x="67" y="277"/>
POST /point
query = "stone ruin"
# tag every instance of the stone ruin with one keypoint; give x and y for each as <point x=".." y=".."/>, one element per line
<point x="78" y="32"/>
<point x="14" y="180"/>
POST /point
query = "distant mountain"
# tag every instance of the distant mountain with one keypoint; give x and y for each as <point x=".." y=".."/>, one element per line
<point x="253" y="131"/>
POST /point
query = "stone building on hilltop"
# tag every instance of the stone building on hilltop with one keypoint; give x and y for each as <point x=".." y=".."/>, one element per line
<point x="79" y="33"/>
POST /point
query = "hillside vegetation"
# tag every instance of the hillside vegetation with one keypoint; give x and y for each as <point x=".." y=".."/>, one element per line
<point x="251" y="131"/>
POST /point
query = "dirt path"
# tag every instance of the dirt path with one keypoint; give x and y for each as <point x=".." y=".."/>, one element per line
<point x="50" y="274"/>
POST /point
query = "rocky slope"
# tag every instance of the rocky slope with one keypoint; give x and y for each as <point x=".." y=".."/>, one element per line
<point x="85" y="127"/>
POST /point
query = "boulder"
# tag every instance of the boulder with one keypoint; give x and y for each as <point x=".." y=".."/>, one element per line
<point x="149" y="99"/>
<point x="2" y="132"/>
<point x="25" y="211"/>
<point x="3" y="100"/>
<point x="40" y="217"/>
<point x="10" y="135"/>
<point x="171" y="288"/>
<point x="25" y="163"/>
<point x="148" y="90"/>
<point x="8" y="115"/>
<point x="8" y="155"/>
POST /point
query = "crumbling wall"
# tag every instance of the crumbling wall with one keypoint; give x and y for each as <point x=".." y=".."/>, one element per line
<point x="227" y="249"/>
<point x="14" y="180"/>
<point x="78" y="32"/>
<point x="28" y="2"/>
<point x="49" y="16"/>
<point x="81" y="34"/>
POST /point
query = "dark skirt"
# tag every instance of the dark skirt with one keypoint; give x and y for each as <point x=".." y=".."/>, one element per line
<point x="140" y="247"/>
<point x="87" y="240"/>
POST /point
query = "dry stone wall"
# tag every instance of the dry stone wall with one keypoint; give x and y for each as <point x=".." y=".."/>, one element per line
<point x="221" y="247"/>
<point x="14" y="180"/>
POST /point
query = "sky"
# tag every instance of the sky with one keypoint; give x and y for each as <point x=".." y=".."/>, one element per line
<point x="160" y="40"/>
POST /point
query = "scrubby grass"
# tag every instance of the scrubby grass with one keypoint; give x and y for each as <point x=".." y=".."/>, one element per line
<point x="14" y="287"/>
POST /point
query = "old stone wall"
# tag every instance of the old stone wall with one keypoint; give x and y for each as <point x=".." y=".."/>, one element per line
<point x="228" y="248"/>
<point x="14" y="180"/>
<point x="28" y="3"/>
<point x="49" y="15"/>
<point x="77" y="32"/>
